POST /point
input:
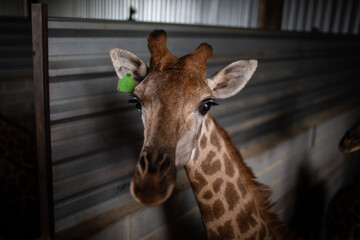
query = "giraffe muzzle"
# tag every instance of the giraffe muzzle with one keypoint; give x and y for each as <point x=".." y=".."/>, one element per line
<point x="154" y="177"/>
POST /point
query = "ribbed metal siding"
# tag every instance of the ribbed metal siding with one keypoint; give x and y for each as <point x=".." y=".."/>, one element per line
<point x="236" y="13"/>
<point x="97" y="135"/>
<point x="328" y="16"/>
<point x="12" y="8"/>
<point x="16" y="75"/>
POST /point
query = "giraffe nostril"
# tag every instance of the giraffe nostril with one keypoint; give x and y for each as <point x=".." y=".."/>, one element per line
<point x="142" y="163"/>
<point x="165" y="165"/>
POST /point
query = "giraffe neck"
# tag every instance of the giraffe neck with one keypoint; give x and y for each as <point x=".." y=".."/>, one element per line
<point x="227" y="194"/>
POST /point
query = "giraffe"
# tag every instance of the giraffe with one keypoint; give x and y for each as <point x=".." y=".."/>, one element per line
<point x="351" y="140"/>
<point x="174" y="98"/>
<point x="342" y="220"/>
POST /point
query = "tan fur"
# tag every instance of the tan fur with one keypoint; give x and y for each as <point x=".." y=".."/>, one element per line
<point x="351" y="140"/>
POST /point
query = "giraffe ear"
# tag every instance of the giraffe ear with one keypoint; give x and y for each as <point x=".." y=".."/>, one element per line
<point x="232" y="78"/>
<point x="127" y="62"/>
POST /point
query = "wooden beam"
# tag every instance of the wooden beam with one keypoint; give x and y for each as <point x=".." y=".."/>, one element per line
<point x="42" y="115"/>
<point x="270" y="14"/>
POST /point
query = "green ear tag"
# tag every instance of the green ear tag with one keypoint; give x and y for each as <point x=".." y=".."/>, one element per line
<point x="126" y="84"/>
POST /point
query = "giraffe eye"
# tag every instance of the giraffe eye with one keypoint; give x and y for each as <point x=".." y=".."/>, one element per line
<point x="206" y="105"/>
<point x="137" y="103"/>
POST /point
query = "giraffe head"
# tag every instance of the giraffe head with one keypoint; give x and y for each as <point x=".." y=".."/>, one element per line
<point x="351" y="140"/>
<point x="173" y="96"/>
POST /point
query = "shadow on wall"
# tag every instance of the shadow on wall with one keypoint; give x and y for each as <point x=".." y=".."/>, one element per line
<point x="19" y="202"/>
<point x="183" y="217"/>
<point x="121" y="123"/>
<point x="16" y="72"/>
<point x="308" y="218"/>
<point x="342" y="220"/>
<point x="352" y="166"/>
<point x="343" y="213"/>
<point x="309" y="206"/>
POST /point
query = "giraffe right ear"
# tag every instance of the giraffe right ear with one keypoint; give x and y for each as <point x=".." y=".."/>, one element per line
<point x="232" y="78"/>
<point x="127" y="62"/>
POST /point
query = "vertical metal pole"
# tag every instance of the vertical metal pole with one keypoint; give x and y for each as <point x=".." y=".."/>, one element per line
<point x="42" y="114"/>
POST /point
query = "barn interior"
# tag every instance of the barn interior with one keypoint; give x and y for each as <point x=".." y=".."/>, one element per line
<point x="69" y="141"/>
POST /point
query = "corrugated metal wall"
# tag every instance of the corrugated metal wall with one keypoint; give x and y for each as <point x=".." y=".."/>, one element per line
<point x="16" y="75"/>
<point x="12" y="8"/>
<point x="96" y="135"/>
<point x="328" y="16"/>
<point x="236" y="13"/>
<point x="306" y="171"/>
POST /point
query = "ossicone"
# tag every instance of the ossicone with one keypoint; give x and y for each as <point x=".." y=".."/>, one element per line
<point x="157" y="42"/>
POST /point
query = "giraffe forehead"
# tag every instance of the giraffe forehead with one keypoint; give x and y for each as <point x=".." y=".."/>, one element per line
<point x="175" y="86"/>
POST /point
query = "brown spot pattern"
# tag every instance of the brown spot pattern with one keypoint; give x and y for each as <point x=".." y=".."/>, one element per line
<point x="196" y="156"/>
<point x="226" y="231"/>
<point x="203" y="141"/>
<point x="241" y="187"/>
<point x="206" y="212"/>
<point x="217" y="185"/>
<point x="245" y="220"/>
<point x="213" y="235"/>
<point x="214" y="139"/>
<point x="198" y="182"/>
<point x="229" y="168"/>
<point x="231" y="196"/>
<point x="253" y="237"/>
<point x="208" y="195"/>
<point x="218" y="209"/>
<point x="262" y="232"/>
<point x="252" y="208"/>
<point x="210" y="167"/>
<point x="207" y="123"/>
<point x="269" y="233"/>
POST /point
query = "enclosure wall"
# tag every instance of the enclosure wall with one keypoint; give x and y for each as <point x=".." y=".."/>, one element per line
<point x="287" y="122"/>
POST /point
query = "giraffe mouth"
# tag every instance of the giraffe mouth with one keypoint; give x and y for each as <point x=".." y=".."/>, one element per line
<point x="151" y="185"/>
<point x="151" y="195"/>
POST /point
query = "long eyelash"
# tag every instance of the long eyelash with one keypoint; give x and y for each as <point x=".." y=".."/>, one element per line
<point x="207" y="100"/>
<point x="210" y="100"/>
<point x="134" y="96"/>
<point x="134" y="99"/>
<point x="214" y="103"/>
<point x="137" y="103"/>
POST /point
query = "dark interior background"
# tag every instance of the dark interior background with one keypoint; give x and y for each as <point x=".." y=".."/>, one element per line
<point x="287" y="122"/>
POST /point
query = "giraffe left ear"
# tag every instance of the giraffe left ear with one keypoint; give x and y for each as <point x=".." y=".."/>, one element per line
<point x="232" y="78"/>
<point x="127" y="62"/>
